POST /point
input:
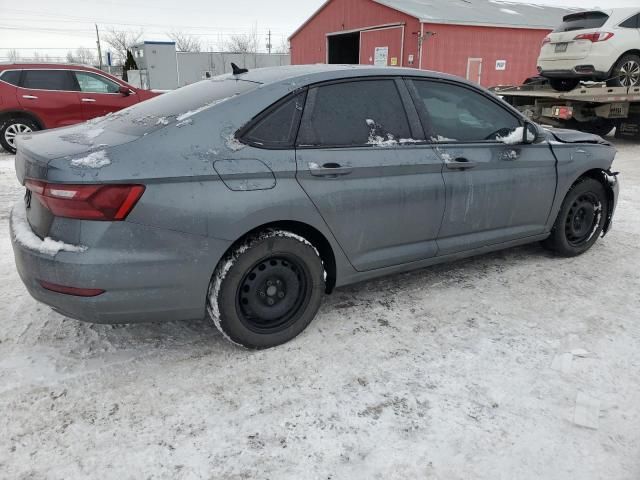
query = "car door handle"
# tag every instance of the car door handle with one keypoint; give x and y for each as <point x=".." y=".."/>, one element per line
<point x="30" y="97"/>
<point x="329" y="170"/>
<point x="88" y="99"/>
<point x="460" y="163"/>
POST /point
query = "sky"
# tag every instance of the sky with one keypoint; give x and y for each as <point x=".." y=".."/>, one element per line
<point x="55" y="26"/>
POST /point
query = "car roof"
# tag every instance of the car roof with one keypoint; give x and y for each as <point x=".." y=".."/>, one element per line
<point x="39" y="65"/>
<point x="306" y="74"/>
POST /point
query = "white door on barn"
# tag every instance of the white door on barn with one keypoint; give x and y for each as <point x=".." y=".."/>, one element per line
<point x="474" y="70"/>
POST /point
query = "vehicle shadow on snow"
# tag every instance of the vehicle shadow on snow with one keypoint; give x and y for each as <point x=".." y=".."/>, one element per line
<point x="191" y="337"/>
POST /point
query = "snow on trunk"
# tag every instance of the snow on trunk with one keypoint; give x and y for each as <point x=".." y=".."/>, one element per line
<point x="97" y="159"/>
<point x="24" y="235"/>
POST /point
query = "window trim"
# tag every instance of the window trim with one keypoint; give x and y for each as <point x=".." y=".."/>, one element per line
<point x="425" y="117"/>
<point x="311" y="98"/>
<point x="243" y="131"/>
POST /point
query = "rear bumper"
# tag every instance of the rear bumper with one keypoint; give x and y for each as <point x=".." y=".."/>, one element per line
<point x="594" y="67"/>
<point x="153" y="275"/>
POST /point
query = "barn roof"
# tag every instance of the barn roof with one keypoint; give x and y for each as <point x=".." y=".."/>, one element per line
<point x="473" y="12"/>
<point x="481" y="12"/>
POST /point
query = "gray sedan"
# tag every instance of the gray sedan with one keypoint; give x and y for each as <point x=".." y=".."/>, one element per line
<point x="249" y="196"/>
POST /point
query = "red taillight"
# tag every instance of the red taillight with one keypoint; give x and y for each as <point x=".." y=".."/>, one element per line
<point x="595" y="36"/>
<point x="77" y="292"/>
<point x="87" y="202"/>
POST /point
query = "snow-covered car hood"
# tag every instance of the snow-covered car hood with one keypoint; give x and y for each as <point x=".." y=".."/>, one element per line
<point x="573" y="136"/>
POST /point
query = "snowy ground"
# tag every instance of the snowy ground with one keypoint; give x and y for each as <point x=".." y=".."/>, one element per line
<point x="455" y="372"/>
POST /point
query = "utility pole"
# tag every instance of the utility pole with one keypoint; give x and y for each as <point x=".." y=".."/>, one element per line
<point x="99" y="48"/>
<point x="269" y="42"/>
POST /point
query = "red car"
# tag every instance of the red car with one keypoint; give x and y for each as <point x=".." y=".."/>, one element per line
<point x="38" y="96"/>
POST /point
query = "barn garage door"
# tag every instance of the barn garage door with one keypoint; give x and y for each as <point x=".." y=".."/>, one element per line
<point x="383" y="45"/>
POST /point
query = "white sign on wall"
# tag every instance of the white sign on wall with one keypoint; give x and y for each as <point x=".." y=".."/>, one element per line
<point x="501" y="64"/>
<point x="381" y="56"/>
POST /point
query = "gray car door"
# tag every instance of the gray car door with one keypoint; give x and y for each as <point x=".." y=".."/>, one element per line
<point x="363" y="160"/>
<point x="497" y="189"/>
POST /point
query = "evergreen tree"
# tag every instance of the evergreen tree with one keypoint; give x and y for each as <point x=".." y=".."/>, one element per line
<point x="129" y="64"/>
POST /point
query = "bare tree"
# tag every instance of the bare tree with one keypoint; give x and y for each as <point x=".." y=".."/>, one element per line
<point x="121" y="41"/>
<point x="283" y="47"/>
<point x="185" y="42"/>
<point x="243" y="42"/>
<point x="13" y="55"/>
<point x="82" y="55"/>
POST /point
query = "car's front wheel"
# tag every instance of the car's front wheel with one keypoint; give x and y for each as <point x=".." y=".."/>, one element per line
<point x="581" y="219"/>
<point x="11" y="128"/>
<point x="267" y="290"/>
<point x="626" y="72"/>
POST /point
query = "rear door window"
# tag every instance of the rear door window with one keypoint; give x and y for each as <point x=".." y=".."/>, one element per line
<point x="11" y="76"/>
<point x="453" y="113"/>
<point x="582" y="21"/>
<point x="633" y="22"/>
<point x="61" y="80"/>
<point x="277" y="127"/>
<point x="354" y="113"/>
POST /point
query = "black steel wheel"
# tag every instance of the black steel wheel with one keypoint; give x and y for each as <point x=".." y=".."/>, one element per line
<point x="580" y="220"/>
<point x="272" y="293"/>
<point x="267" y="290"/>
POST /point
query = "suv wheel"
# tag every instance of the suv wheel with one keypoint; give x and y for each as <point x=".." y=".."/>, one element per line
<point x="11" y="128"/>
<point x="581" y="219"/>
<point x="626" y="72"/>
<point x="266" y="291"/>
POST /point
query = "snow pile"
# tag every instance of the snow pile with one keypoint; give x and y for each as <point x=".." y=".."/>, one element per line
<point x="24" y="235"/>
<point x="162" y="121"/>
<point x="516" y="137"/>
<point x="183" y="123"/>
<point x="384" y="140"/>
<point x="97" y="159"/>
<point x="441" y="139"/>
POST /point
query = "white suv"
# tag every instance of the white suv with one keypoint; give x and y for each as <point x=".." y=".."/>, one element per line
<point x="602" y="45"/>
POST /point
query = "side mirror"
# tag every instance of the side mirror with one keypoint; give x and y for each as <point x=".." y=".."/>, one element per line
<point x="124" y="90"/>
<point x="529" y="133"/>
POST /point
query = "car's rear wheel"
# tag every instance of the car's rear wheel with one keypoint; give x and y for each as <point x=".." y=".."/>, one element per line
<point x="11" y="128"/>
<point x="564" y="84"/>
<point x="267" y="290"/>
<point x="626" y="72"/>
<point x="581" y="219"/>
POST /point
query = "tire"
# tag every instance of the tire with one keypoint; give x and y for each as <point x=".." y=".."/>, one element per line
<point x="12" y="126"/>
<point x="581" y="219"/>
<point x="626" y="72"/>
<point x="600" y="126"/>
<point x="267" y="290"/>
<point x="564" y="84"/>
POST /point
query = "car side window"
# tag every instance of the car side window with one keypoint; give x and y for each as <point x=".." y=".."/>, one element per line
<point x="453" y="113"/>
<point x="61" y="80"/>
<point x="92" y="83"/>
<point x="11" y="76"/>
<point x="633" y="22"/>
<point x="354" y="113"/>
<point x="278" y="125"/>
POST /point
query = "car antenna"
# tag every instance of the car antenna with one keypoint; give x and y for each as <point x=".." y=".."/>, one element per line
<point x="237" y="70"/>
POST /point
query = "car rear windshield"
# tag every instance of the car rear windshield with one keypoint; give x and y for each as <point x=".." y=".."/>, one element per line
<point x="582" y="21"/>
<point x="175" y="106"/>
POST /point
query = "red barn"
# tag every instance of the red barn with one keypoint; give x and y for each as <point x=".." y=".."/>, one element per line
<point x="490" y="42"/>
